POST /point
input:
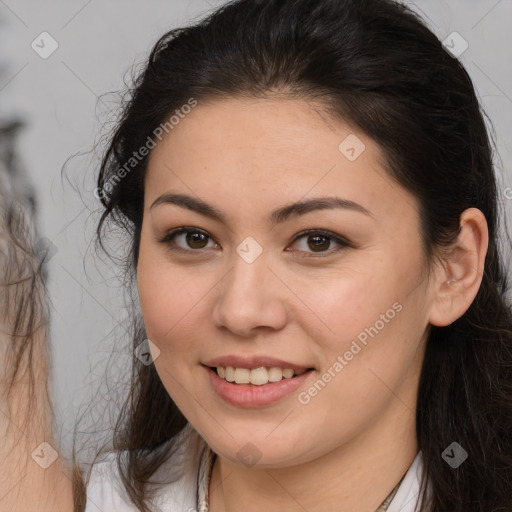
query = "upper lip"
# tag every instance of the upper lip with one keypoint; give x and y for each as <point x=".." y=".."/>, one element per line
<point x="253" y="362"/>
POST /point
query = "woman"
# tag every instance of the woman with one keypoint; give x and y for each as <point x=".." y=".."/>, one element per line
<point x="312" y="210"/>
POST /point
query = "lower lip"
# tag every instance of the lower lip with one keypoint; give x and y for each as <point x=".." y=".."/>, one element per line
<point x="249" y="395"/>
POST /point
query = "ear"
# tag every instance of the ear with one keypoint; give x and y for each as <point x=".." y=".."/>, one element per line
<point x="459" y="276"/>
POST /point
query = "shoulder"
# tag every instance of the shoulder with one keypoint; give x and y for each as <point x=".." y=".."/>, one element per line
<point x="176" y="479"/>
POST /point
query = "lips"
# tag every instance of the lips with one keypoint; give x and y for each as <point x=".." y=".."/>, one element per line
<point x="254" y="362"/>
<point x="250" y="396"/>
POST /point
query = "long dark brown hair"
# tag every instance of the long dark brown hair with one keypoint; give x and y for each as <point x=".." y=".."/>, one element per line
<point x="375" y="64"/>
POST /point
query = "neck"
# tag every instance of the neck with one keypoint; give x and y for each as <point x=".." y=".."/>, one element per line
<point x="340" y="480"/>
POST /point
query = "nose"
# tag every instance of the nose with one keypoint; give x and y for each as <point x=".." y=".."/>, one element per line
<point x="250" y="298"/>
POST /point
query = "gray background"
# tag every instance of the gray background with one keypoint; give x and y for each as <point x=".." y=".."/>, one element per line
<point x="98" y="42"/>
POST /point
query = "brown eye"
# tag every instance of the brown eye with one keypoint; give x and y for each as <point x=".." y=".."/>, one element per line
<point x="191" y="239"/>
<point x="320" y="242"/>
<point x="196" y="240"/>
<point x="316" y="241"/>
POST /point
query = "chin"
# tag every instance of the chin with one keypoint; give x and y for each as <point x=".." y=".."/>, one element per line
<point x="263" y="451"/>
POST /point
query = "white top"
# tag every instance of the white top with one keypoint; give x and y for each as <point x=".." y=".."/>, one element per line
<point x="187" y="471"/>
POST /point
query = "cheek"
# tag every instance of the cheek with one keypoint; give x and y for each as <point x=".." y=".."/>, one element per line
<point x="167" y="307"/>
<point x="174" y="305"/>
<point x="372" y="352"/>
<point x="343" y="304"/>
<point x="372" y="315"/>
<point x="157" y="284"/>
<point x="170" y="312"/>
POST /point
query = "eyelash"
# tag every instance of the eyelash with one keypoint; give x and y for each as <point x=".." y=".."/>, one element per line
<point x="169" y="242"/>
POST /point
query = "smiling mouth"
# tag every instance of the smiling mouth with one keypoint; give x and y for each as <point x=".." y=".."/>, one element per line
<point x="257" y="376"/>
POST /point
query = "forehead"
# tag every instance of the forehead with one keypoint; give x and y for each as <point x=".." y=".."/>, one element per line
<point x="266" y="150"/>
<point x="282" y="128"/>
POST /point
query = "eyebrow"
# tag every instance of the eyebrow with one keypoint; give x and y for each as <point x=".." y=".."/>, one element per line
<point x="276" y="217"/>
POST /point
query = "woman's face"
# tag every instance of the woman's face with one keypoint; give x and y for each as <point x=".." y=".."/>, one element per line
<point x="247" y="288"/>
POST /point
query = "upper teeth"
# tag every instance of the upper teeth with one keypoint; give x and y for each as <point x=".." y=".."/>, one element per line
<point x="256" y="376"/>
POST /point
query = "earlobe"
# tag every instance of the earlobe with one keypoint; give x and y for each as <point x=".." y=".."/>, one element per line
<point x="459" y="279"/>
